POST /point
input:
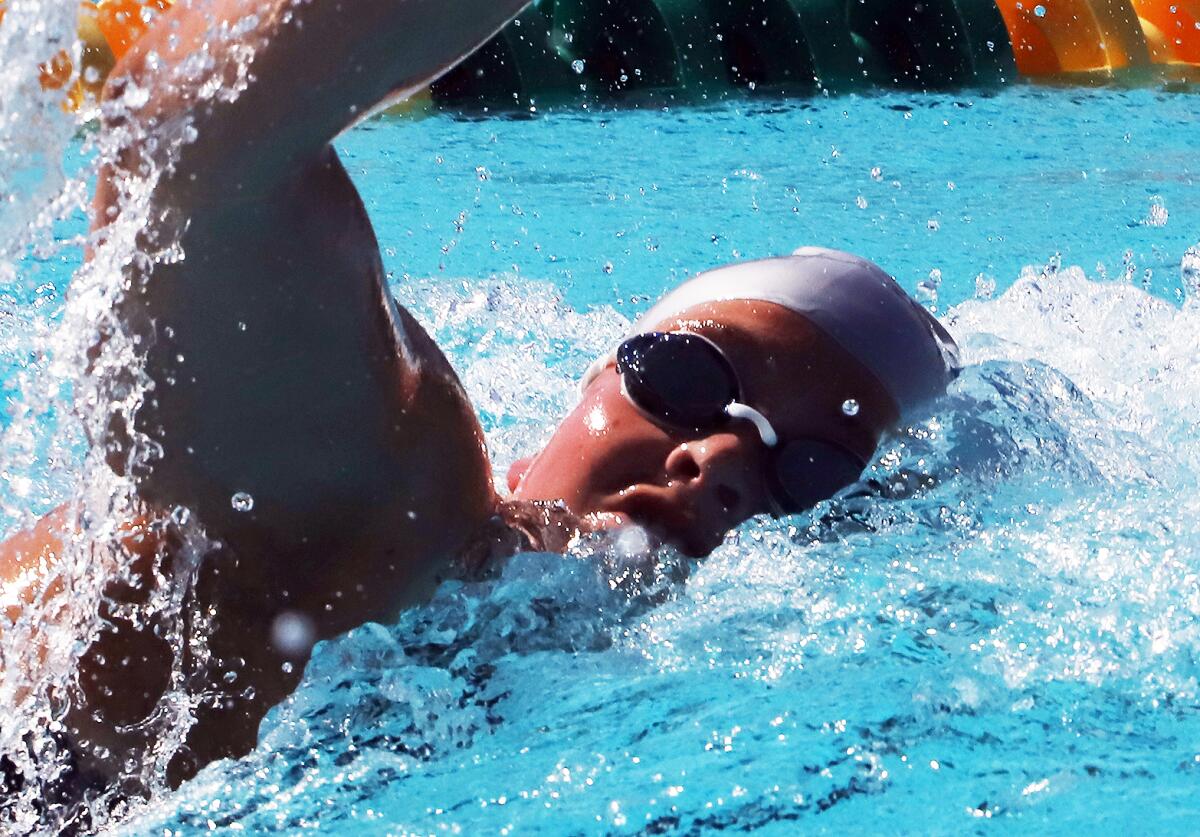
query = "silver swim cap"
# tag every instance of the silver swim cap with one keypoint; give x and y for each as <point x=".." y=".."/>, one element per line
<point x="847" y="297"/>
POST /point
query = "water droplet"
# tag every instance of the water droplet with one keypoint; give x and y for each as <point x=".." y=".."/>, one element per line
<point x="242" y="502"/>
<point x="850" y="407"/>
<point x="1039" y="10"/>
<point x="1189" y="269"/>
<point x="578" y="66"/>
<point x="1158" y="215"/>
<point x="293" y="633"/>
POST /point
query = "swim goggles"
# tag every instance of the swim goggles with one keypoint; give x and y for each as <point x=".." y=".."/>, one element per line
<point x="684" y="381"/>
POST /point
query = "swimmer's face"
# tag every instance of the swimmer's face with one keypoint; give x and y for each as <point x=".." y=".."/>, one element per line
<point x="690" y="488"/>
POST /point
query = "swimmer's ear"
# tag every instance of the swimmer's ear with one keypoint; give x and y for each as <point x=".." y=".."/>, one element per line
<point x="517" y="472"/>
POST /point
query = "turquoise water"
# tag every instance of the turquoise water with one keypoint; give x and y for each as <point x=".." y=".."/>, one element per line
<point x="996" y="630"/>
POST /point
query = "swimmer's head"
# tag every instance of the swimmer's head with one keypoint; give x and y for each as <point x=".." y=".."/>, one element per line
<point x="762" y="387"/>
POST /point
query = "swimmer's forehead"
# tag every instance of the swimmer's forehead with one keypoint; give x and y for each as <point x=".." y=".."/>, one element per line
<point x="749" y="327"/>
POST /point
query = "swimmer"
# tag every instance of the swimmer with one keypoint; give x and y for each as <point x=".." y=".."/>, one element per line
<point x="319" y="435"/>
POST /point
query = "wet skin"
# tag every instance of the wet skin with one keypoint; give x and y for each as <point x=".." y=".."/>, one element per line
<point x="608" y="457"/>
<point x="283" y="369"/>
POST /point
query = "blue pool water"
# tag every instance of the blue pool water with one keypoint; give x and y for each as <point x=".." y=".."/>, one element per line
<point x="994" y="632"/>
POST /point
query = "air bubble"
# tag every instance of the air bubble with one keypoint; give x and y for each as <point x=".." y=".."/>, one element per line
<point x="242" y="502"/>
<point x="293" y="633"/>
<point x="1039" y="10"/>
<point x="850" y="407"/>
<point x="578" y="66"/>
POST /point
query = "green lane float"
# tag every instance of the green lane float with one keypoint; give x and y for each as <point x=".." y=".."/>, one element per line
<point x="510" y="70"/>
<point x="763" y="45"/>
<point x="932" y="44"/>
<point x="706" y="49"/>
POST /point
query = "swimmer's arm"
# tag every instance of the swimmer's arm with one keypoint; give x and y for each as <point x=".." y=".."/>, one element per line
<point x="23" y="559"/>
<point x="315" y="68"/>
<point x="281" y="367"/>
<point x="30" y="559"/>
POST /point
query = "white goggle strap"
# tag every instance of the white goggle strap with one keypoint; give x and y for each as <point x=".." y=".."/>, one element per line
<point x="737" y="410"/>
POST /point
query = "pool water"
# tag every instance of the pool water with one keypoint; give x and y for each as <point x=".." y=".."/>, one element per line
<point x="995" y="629"/>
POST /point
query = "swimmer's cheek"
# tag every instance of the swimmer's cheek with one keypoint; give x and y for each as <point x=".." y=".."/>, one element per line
<point x="605" y="522"/>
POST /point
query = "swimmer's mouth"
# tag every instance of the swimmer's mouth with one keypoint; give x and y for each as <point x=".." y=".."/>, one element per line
<point x="663" y="520"/>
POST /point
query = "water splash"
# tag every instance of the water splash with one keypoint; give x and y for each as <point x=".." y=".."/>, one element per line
<point x="79" y="374"/>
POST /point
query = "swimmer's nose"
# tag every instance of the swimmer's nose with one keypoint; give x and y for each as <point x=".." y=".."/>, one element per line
<point x="714" y="477"/>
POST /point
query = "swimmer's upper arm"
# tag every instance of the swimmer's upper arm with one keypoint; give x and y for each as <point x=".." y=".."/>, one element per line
<point x="281" y="368"/>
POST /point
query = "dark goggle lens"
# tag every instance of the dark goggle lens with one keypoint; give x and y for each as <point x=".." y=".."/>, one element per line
<point x="808" y="471"/>
<point x="681" y="378"/>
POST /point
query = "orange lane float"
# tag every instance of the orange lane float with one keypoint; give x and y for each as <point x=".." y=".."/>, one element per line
<point x="1051" y="37"/>
<point x="106" y="30"/>
<point x="124" y="21"/>
<point x="1172" y="30"/>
